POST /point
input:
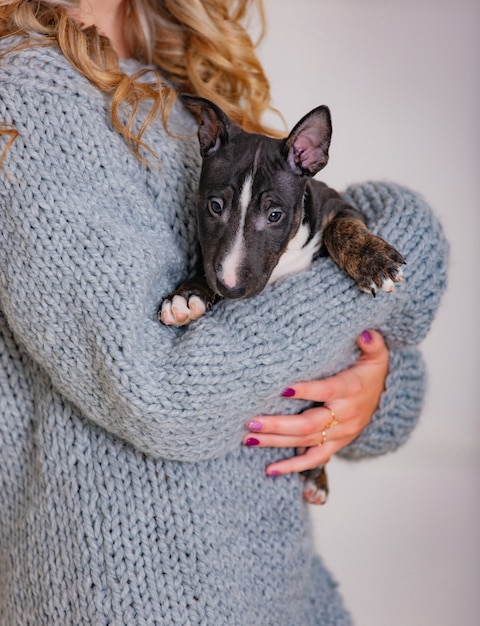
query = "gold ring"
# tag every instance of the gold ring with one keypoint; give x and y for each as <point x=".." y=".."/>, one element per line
<point x="324" y="437"/>
<point x="333" y="422"/>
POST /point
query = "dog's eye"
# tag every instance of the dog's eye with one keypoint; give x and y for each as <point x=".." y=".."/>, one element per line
<point x="274" y="217"/>
<point x="215" y="206"/>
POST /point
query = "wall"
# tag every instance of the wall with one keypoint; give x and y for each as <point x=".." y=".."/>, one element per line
<point x="401" y="79"/>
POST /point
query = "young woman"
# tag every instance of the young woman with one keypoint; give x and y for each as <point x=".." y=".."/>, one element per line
<point x="127" y="495"/>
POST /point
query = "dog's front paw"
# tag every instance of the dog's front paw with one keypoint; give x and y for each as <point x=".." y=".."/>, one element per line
<point x="315" y="487"/>
<point x="180" y="310"/>
<point x="187" y="303"/>
<point x="379" y="267"/>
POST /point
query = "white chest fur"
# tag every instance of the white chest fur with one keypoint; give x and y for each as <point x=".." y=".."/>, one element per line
<point x="298" y="255"/>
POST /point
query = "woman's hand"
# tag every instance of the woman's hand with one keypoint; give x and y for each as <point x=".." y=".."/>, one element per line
<point x="351" y="397"/>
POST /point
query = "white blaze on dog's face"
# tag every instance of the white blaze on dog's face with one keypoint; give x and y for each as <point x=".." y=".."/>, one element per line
<point x="246" y="222"/>
<point x="229" y="269"/>
<point x="247" y="216"/>
<point x="251" y="193"/>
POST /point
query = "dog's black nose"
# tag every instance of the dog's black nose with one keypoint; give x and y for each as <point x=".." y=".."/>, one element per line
<point x="230" y="292"/>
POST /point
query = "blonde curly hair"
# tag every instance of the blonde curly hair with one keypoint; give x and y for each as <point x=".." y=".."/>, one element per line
<point x="200" y="46"/>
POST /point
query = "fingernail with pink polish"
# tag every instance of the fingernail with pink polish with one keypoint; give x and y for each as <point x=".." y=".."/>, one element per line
<point x="273" y="473"/>
<point x="251" y="441"/>
<point x="254" y="425"/>
<point x="366" y="337"/>
<point x="288" y="393"/>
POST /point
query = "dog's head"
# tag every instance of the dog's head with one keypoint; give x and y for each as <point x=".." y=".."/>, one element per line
<point x="251" y="194"/>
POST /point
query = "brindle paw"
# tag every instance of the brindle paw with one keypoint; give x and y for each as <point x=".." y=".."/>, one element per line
<point x="380" y="266"/>
<point x="179" y="310"/>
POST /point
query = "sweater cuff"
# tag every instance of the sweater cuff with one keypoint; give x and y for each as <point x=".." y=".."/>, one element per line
<point x="399" y="409"/>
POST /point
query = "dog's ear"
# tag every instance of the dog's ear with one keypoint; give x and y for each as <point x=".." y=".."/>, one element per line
<point x="215" y="126"/>
<point x="307" y="145"/>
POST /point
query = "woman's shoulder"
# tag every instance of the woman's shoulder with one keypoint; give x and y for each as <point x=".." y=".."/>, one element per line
<point x="30" y="64"/>
<point x="39" y="87"/>
<point x="24" y="54"/>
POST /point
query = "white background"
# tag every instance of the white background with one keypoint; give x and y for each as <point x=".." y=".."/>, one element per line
<point x="402" y="79"/>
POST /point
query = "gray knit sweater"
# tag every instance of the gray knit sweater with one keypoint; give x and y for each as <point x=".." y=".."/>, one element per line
<point x="126" y="497"/>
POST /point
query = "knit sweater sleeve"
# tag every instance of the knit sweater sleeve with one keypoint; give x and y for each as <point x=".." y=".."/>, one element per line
<point x="399" y="410"/>
<point x="85" y="258"/>
<point x="403" y="398"/>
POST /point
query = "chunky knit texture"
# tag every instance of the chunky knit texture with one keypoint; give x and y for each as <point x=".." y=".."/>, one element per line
<point x="126" y="496"/>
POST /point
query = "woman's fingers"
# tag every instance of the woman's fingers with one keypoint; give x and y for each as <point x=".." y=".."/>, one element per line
<point x="348" y="383"/>
<point x="350" y="398"/>
<point x="311" y="458"/>
<point x="315" y="431"/>
<point x="304" y="425"/>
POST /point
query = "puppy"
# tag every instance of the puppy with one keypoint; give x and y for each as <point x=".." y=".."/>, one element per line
<point x="261" y="216"/>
